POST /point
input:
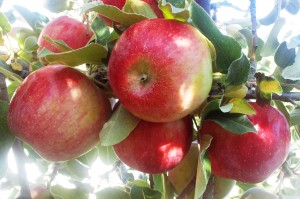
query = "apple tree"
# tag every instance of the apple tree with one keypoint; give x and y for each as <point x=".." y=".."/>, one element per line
<point x="150" y="99"/>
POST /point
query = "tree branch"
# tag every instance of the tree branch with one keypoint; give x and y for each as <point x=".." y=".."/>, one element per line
<point x="254" y="38"/>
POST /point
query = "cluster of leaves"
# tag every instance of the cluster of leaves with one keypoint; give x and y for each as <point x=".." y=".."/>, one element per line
<point x="227" y="105"/>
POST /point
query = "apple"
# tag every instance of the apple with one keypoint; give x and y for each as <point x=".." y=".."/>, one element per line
<point x="71" y="31"/>
<point x="185" y="172"/>
<point x="249" y="157"/>
<point x="156" y="147"/>
<point x="59" y="112"/>
<point x="258" y="193"/>
<point x="120" y="4"/>
<point x="40" y="192"/>
<point x="161" y="70"/>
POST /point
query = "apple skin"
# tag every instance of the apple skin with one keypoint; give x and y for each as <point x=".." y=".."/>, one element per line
<point x="161" y="70"/>
<point x="40" y="192"/>
<point x="156" y="147"/>
<point x="73" y="32"/>
<point x="249" y="157"/>
<point x="258" y="193"/>
<point x="59" y="112"/>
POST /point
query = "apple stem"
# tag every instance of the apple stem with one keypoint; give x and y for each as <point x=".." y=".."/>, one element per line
<point x="151" y="181"/>
<point x="19" y="156"/>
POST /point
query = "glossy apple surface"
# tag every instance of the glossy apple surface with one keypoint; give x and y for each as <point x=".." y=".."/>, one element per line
<point x="161" y="69"/>
<point x="249" y="157"/>
<point x="71" y="31"/>
<point x="59" y="112"/>
<point x="156" y="147"/>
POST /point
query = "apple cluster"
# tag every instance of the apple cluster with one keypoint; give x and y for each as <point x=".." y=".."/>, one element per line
<point x="161" y="71"/>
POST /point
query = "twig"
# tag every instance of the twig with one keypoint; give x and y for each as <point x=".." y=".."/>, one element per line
<point x="151" y="181"/>
<point x="3" y="89"/>
<point x="254" y="38"/>
<point x="208" y="194"/>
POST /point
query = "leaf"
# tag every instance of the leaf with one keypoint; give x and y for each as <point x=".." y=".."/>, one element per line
<point x="233" y="122"/>
<point x="239" y="91"/>
<point x="177" y="10"/>
<point x="294" y="42"/>
<point x="292" y="72"/>
<point x="282" y="108"/>
<point x="30" y="43"/>
<point x="269" y="85"/>
<point x="272" y="42"/>
<point x="6" y="138"/>
<point x="5" y="69"/>
<point x="283" y="56"/>
<point x="139" y="7"/>
<point x="12" y="87"/>
<point x="202" y="177"/>
<point x="64" y="193"/>
<point x="272" y="16"/>
<point x="238" y="105"/>
<point x="227" y="48"/>
<point x="238" y="71"/>
<point x="107" y="154"/>
<point x="101" y="31"/>
<point x="247" y="34"/>
<point x="59" y="44"/>
<point x="151" y="193"/>
<point x="4" y="23"/>
<point x="292" y="6"/>
<point x="89" y="157"/>
<point x="118" y="127"/>
<point x="112" y="193"/>
<point x="77" y="169"/>
<point x="295" y="117"/>
<point x="136" y="190"/>
<point x="90" y="54"/>
<point x="113" y="13"/>
<point x="162" y="184"/>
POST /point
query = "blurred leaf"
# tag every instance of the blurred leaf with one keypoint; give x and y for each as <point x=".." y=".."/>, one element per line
<point x="293" y="72"/>
<point x="112" y="193"/>
<point x="283" y="56"/>
<point x="4" y="57"/>
<point x="233" y="122"/>
<point x="162" y="184"/>
<point x="292" y="6"/>
<point x="59" y="44"/>
<point x="159" y="182"/>
<point x="272" y="42"/>
<point x="266" y="87"/>
<point x="239" y="91"/>
<point x="107" y="154"/>
<point x="282" y="108"/>
<point x="90" y="54"/>
<point x="139" y="7"/>
<point x="238" y="71"/>
<point x="77" y="169"/>
<point x="89" y="158"/>
<point x="211" y="106"/>
<point x="101" y="31"/>
<point x="178" y="10"/>
<point x="247" y="34"/>
<point x="227" y="48"/>
<point x="65" y="193"/>
<point x="4" y="23"/>
<point x="118" y="127"/>
<point x="294" y="42"/>
<point x="151" y="194"/>
<point x="234" y="31"/>
<point x="113" y="13"/>
<point x="202" y="177"/>
<point x="295" y="117"/>
<point x="30" y="43"/>
<point x="5" y="69"/>
<point x="137" y="190"/>
<point x="58" y="6"/>
<point x="272" y="16"/>
<point x="222" y="187"/>
<point x="6" y="138"/>
<point x="12" y="88"/>
<point x="238" y="105"/>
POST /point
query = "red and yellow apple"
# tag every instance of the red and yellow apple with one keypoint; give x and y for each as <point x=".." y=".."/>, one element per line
<point x="249" y="157"/>
<point x="156" y="147"/>
<point x="161" y="70"/>
<point x="69" y="30"/>
<point x="59" y="112"/>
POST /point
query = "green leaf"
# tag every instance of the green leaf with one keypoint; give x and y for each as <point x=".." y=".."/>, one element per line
<point x="239" y="91"/>
<point x="292" y="72"/>
<point x="118" y="127"/>
<point x="236" y="123"/>
<point x="90" y="54"/>
<point x="272" y="16"/>
<point x="283" y="56"/>
<point x="282" y="108"/>
<point x="202" y="177"/>
<point x="178" y="10"/>
<point x="12" y="88"/>
<point x="137" y="189"/>
<point x="89" y="158"/>
<point x="77" y="169"/>
<point x="272" y="42"/>
<point x="30" y="43"/>
<point x="101" y="31"/>
<point x="107" y="154"/>
<point x="247" y="34"/>
<point x="139" y="7"/>
<point x="151" y="194"/>
<point x="113" y="13"/>
<point x="237" y="105"/>
<point x="162" y="184"/>
<point x="65" y="193"/>
<point x="211" y="106"/>
<point x="295" y="116"/>
<point x="227" y="48"/>
<point x="4" y="23"/>
<point x="112" y="193"/>
<point x="59" y="44"/>
<point x="5" y="69"/>
<point x="6" y="138"/>
<point x="238" y="71"/>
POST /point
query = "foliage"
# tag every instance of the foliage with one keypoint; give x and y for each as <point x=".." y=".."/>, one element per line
<point x="275" y="81"/>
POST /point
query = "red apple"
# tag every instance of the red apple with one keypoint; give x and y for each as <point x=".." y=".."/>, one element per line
<point x="71" y="31"/>
<point x="59" y="112"/>
<point x="120" y="4"/>
<point x="161" y="70"/>
<point x="156" y="147"/>
<point x="40" y="192"/>
<point x="249" y="157"/>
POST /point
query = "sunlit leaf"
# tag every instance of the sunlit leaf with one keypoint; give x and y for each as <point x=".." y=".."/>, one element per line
<point x="238" y="105"/>
<point x="239" y="91"/>
<point x="89" y="157"/>
<point x="101" y="31"/>
<point x="59" y="44"/>
<point x="272" y="16"/>
<point x="4" y="23"/>
<point x="283" y="56"/>
<point x="4" y="69"/>
<point x="178" y="10"/>
<point x="107" y="154"/>
<point x="292" y="6"/>
<point x="66" y="193"/>
<point x="139" y="7"/>
<point x="293" y="72"/>
<point x="269" y="86"/>
<point x="247" y="34"/>
<point x="295" y="117"/>
<point x="238" y="71"/>
<point x="30" y="43"/>
<point x="118" y="127"/>
<point x="77" y="169"/>
<point x="112" y="193"/>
